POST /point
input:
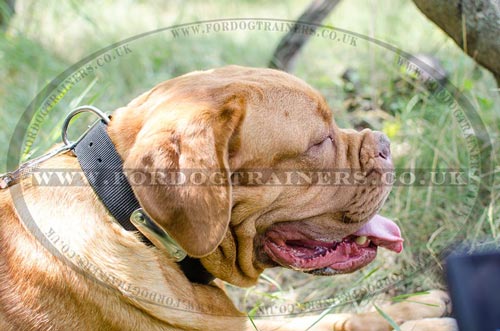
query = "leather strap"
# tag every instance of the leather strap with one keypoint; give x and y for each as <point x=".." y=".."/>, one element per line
<point x="103" y="168"/>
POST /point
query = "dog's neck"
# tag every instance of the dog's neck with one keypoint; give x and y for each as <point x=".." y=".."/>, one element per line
<point x="225" y="264"/>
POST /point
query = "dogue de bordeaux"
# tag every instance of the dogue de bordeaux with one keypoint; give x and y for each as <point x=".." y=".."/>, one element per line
<point x="67" y="264"/>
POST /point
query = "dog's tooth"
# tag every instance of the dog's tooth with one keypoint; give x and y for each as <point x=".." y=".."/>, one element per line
<point x="361" y="240"/>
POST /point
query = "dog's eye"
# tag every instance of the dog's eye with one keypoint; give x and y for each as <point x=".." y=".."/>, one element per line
<point x="321" y="143"/>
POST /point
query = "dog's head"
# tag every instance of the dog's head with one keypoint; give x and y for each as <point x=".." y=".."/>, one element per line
<point x="247" y="169"/>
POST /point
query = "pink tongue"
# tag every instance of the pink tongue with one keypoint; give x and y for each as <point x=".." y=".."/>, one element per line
<point x="382" y="232"/>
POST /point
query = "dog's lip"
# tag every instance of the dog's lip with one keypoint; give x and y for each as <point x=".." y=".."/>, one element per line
<point x="290" y="248"/>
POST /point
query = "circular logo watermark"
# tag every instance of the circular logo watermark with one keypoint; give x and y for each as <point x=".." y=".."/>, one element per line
<point x="461" y="171"/>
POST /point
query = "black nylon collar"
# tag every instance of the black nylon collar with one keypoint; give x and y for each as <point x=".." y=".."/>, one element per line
<point x="97" y="156"/>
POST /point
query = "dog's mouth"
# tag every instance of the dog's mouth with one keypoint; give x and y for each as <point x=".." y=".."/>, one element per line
<point x="293" y="250"/>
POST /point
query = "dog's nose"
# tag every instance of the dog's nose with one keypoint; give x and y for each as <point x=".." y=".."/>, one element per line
<point x="383" y="145"/>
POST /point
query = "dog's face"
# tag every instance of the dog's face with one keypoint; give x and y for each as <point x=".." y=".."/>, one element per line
<point x="275" y="172"/>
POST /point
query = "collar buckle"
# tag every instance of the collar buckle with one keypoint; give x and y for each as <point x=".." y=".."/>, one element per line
<point x="156" y="234"/>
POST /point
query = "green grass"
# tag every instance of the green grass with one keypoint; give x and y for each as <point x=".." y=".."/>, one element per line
<point x="423" y="131"/>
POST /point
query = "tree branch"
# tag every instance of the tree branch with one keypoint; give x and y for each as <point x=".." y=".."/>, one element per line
<point x="286" y="53"/>
<point x="473" y="24"/>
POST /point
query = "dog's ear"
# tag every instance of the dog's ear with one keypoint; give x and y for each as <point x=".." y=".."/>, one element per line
<point x="181" y="154"/>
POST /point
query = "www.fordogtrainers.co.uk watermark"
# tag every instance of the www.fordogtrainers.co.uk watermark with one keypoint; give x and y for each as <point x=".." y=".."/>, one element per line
<point x="276" y="26"/>
<point x="252" y="177"/>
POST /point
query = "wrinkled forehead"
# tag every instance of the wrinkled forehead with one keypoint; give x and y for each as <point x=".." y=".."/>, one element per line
<point x="282" y="112"/>
<point x="284" y="119"/>
<point x="277" y="91"/>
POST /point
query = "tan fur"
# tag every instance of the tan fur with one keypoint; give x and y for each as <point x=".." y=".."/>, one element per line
<point x="66" y="265"/>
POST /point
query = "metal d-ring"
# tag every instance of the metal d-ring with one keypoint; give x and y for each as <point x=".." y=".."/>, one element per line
<point x="12" y="177"/>
<point x="73" y="113"/>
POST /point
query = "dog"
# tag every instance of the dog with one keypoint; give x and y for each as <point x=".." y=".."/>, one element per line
<point x="66" y="264"/>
